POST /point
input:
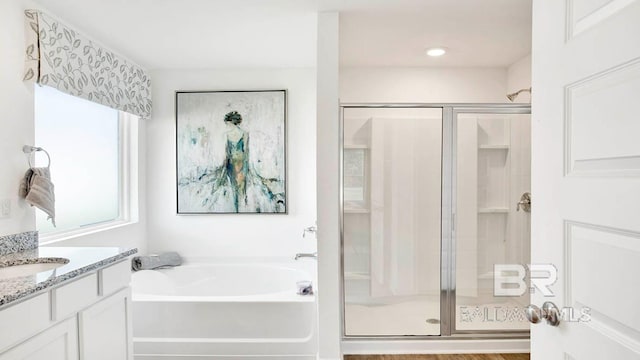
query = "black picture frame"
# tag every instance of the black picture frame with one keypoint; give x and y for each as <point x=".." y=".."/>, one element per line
<point x="231" y="152"/>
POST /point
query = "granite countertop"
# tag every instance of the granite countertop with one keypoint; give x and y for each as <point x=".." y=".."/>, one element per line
<point x="82" y="260"/>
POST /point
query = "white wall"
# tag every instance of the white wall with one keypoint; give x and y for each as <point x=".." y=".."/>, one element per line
<point x="17" y="129"/>
<point x="519" y="77"/>
<point x="16" y="116"/>
<point x="232" y="235"/>
<point x="423" y="84"/>
<point x="329" y="317"/>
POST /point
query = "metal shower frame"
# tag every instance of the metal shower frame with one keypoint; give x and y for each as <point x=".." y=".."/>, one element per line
<point x="450" y="112"/>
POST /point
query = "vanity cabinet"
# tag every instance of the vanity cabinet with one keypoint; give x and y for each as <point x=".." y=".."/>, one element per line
<point x="59" y="342"/>
<point x="88" y="318"/>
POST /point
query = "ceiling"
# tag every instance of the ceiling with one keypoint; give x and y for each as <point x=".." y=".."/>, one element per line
<point x="282" y="33"/>
<point x="476" y="33"/>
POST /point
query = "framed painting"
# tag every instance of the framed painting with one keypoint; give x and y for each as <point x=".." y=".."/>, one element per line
<point x="231" y="152"/>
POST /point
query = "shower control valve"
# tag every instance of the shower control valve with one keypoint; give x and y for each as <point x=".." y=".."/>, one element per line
<point x="525" y="202"/>
<point x="310" y="229"/>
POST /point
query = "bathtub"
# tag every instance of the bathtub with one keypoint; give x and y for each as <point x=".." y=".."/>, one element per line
<point x="228" y="310"/>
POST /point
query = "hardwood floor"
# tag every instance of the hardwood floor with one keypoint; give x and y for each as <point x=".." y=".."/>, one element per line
<point x="440" y="357"/>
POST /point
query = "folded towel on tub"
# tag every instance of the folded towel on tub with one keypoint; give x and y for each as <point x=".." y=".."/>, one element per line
<point x="151" y="262"/>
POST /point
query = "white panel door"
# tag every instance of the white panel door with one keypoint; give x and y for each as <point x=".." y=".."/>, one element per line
<point x="586" y="176"/>
<point x="105" y="329"/>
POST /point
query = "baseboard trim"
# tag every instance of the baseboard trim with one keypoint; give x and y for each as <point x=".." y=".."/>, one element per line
<point x="356" y="347"/>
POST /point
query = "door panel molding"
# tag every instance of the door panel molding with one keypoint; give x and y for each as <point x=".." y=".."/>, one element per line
<point x="621" y="334"/>
<point x="592" y="146"/>
<point x="582" y="18"/>
<point x="588" y="285"/>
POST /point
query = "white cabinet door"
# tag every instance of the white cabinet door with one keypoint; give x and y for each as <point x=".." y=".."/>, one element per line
<point x="105" y="329"/>
<point x="59" y="342"/>
<point x="586" y="177"/>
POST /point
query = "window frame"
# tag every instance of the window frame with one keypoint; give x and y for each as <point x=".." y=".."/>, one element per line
<point x="128" y="205"/>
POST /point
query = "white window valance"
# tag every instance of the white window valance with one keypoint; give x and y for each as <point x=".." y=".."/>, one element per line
<point x="60" y="57"/>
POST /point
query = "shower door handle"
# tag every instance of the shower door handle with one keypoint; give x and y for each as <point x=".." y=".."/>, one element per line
<point x="525" y="202"/>
<point x="548" y="312"/>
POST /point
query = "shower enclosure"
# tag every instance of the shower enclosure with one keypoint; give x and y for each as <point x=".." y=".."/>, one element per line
<point x="435" y="199"/>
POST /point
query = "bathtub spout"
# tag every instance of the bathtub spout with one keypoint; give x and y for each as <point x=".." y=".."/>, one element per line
<point x="306" y="255"/>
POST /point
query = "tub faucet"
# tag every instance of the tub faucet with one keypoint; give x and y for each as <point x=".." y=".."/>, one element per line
<point x="306" y="255"/>
<point x="310" y="229"/>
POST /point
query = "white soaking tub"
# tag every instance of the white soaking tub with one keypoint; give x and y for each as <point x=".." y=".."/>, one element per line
<point x="224" y="311"/>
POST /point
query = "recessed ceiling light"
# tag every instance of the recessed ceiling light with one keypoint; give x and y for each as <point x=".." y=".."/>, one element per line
<point x="436" y="51"/>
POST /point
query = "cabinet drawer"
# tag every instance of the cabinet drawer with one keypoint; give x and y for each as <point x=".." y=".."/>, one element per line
<point x="23" y="320"/>
<point x="75" y="296"/>
<point x="115" y="277"/>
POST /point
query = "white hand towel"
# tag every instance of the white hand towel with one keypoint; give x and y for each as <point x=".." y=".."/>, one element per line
<point x="37" y="189"/>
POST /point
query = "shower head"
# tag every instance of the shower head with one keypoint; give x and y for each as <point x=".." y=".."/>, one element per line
<point x="514" y="95"/>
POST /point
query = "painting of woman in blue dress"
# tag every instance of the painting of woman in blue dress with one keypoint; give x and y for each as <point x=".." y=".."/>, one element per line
<point x="226" y="172"/>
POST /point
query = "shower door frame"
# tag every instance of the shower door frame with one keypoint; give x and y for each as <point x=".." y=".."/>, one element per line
<point x="450" y="112"/>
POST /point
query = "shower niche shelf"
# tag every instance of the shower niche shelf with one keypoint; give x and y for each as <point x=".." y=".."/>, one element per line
<point x="354" y="210"/>
<point x="356" y="275"/>
<point x="493" y="210"/>
<point x="356" y="146"/>
<point x="494" y="147"/>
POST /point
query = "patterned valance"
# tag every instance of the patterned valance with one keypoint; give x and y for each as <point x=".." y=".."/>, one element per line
<point x="60" y="57"/>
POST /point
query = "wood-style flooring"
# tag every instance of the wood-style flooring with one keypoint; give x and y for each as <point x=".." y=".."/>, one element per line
<point x="440" y="357"/>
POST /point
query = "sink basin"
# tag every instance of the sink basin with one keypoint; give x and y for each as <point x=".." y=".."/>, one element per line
<point x="31" y="267"/>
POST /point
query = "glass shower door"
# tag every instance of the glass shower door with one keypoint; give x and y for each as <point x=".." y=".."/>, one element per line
<point x="492" y="226"/>
<point x="392" y="190"/>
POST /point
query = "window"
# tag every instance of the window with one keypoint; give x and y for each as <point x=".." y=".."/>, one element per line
<point x="87" y="144"/>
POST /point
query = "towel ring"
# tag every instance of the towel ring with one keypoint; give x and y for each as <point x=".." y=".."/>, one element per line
<point x="31" y="149"/>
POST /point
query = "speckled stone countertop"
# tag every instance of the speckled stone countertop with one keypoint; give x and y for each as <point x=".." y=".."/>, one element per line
<point x="81" y="260"/>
